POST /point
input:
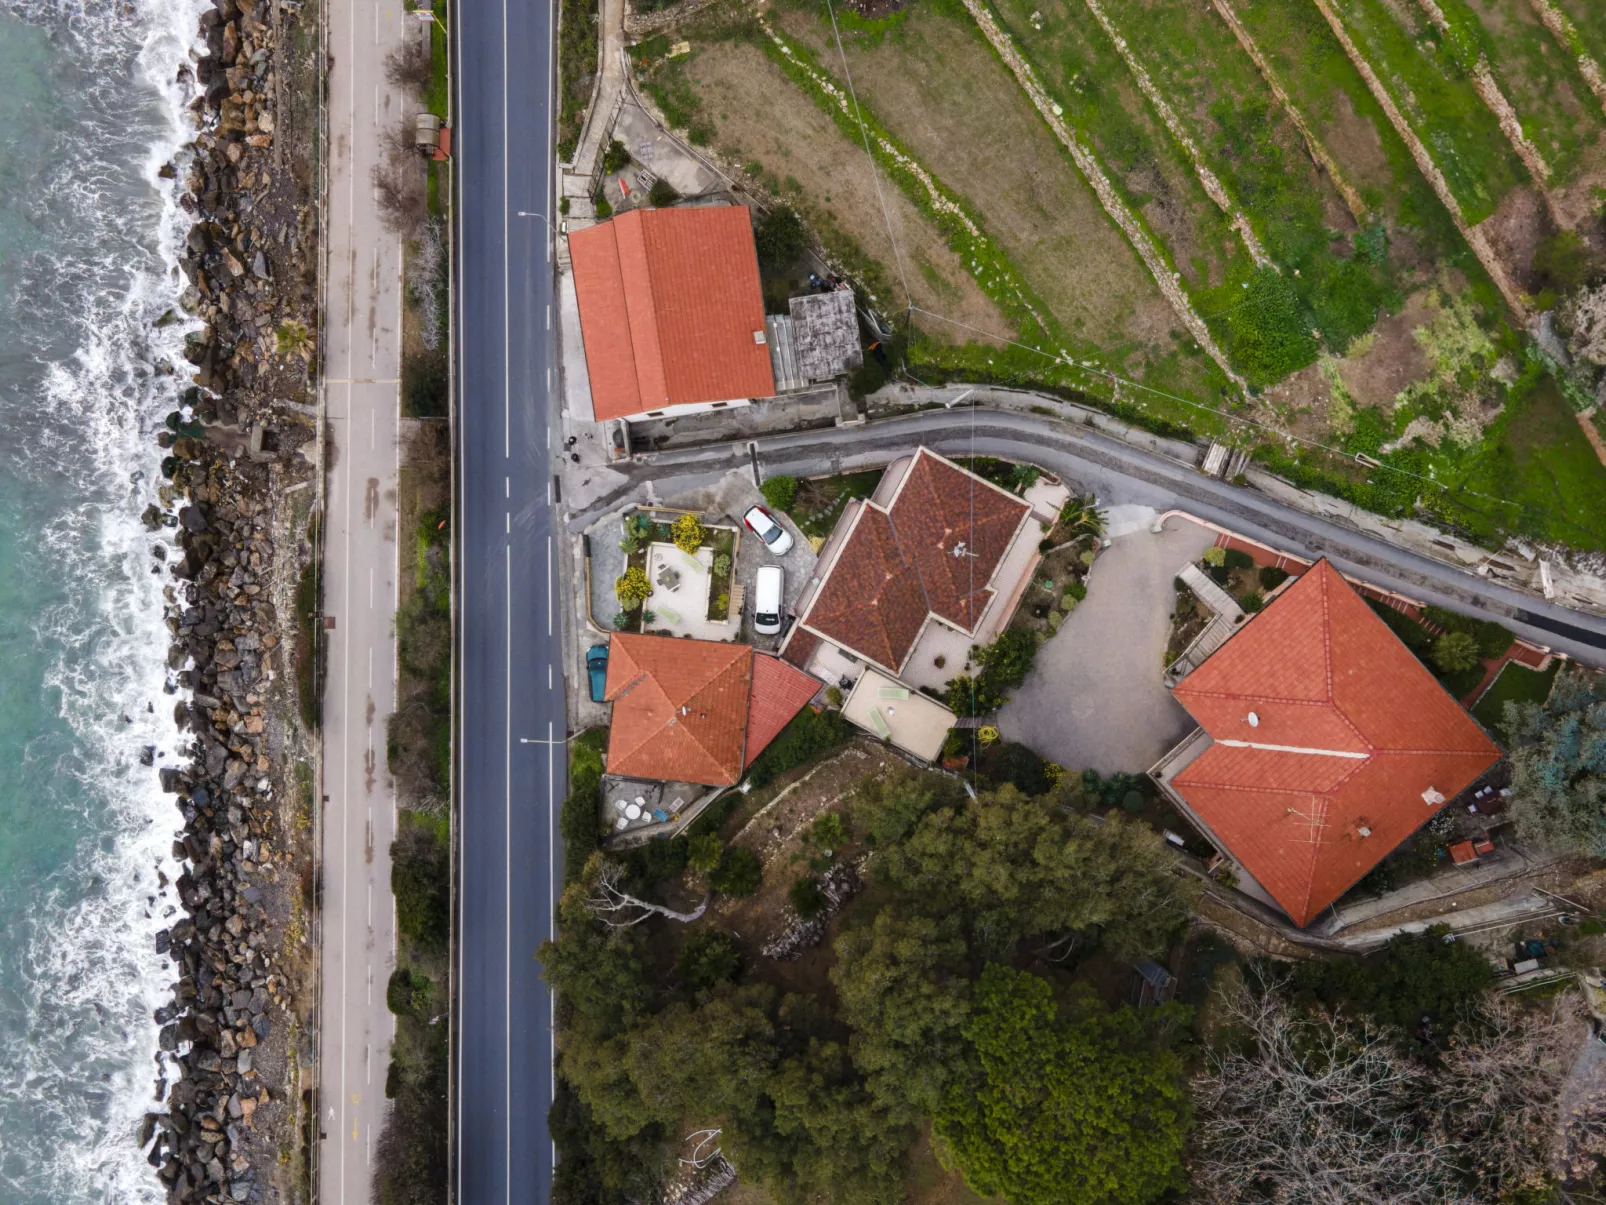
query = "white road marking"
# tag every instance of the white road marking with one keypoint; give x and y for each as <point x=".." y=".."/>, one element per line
<point x="507" y="487"/>
<point x="507" y="342"/>
<point x="548" y="586"/>
<point x="510" y="523"/>
<point x="549" y="316"/>
<point x="507" y="843"/>
<point x="549" y="677"/>
<point x="462" y="819"/>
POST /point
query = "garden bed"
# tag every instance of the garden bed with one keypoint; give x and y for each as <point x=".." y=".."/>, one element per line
<point x="820" y="500"/>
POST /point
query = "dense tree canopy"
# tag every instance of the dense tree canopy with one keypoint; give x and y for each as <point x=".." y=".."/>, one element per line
<point x="1057" y="1107"/>
<point x="1558" y="760"/>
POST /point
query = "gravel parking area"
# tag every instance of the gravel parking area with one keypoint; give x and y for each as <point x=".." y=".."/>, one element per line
<point x="1094" y="699"/>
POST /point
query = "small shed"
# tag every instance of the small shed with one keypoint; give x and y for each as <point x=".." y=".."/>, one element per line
<point x="825" y="334"/>
<point x="1152" y="984"/>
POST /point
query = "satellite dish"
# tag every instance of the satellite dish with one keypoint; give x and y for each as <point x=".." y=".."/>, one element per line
<point x="1254" y="720"/>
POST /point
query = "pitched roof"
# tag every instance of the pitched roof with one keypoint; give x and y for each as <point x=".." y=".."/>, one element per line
<point x="669" y="302"/>
<point x="1353" y="746"/>
<point x="779" y="692"/>
<point x="680" y="708"/>
<point x="933" y="550"/>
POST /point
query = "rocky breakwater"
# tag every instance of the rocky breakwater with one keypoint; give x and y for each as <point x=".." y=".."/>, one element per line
<point x="241" y="461"/>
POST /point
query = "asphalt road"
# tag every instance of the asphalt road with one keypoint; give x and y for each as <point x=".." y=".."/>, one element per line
<point x="362" y="336"/>
<point x="1118" y="473"/>
<point x="509" y="778"/>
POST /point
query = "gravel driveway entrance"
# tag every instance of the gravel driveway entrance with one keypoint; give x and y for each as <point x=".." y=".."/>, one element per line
<point x="1094" y="698"/>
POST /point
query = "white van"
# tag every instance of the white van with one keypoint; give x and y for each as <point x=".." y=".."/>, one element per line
<point x="769" y="588"/>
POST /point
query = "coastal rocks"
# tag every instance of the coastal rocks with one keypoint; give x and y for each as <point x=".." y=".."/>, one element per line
<point x="225" y="1080"/>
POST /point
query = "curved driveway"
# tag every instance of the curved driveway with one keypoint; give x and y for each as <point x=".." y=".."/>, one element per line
<point x="1118" y="473"/>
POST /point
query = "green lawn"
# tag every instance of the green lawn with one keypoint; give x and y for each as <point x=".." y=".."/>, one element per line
<point x="820" y="500"/>
<point x="1516" y="684"/>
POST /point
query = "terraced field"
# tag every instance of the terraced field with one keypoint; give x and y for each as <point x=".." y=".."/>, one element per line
<point x="1335" y="219"/>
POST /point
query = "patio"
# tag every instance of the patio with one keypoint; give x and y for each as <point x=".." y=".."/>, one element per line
<point x="679" y="600"/>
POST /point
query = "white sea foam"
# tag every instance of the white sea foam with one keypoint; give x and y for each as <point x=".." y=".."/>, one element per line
<point x="86" y="1068"/>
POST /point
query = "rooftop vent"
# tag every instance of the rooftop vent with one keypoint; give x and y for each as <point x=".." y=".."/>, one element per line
<point x="1432" y="797"/>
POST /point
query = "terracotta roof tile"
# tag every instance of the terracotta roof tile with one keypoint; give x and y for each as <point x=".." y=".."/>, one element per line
<point x="932" y="551"/>
<point x="680" y="708"/>
<point x="669" y="301"/>
<point x="779" y="692"/>
<point x="1351" y="732"/>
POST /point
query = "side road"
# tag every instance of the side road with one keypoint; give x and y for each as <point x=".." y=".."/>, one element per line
<point x="1118" y="473"/>
<point x="361" y="396"/>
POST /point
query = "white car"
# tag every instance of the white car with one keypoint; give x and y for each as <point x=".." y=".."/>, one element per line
<point x="765" y="526"/>
<point x="769" y="588"/>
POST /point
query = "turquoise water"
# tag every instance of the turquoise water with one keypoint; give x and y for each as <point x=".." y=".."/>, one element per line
<point x="90" y="107"/>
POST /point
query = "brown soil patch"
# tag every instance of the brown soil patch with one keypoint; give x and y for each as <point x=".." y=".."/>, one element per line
<point x="1393" y="361"/>
<point x="1515" y="231"/>
<point x="1299" y="404"/>
<point x="943" y="93"/>
<point x="1355" y="143"/>
<point x="759" y="114"/>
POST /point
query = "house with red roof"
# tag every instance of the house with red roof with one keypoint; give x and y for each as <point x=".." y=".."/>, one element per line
<point x="671" y="312"/>
<point x="696" y="711"/>
<point x="933" y="562"/>
<point x="1323" y="743"/>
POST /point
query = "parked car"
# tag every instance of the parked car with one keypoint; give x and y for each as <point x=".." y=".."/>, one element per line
<point x="769" y="588"/>
<point x="765" y="526"/>
<point x="597" y="671"/>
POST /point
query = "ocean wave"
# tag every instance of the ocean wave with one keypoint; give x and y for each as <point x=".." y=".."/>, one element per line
<point x="78" y="1073"/>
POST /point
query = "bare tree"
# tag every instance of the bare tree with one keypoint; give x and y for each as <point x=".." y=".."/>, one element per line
<point x="1316" y="1110"/>
<point x="409" y="67"/>
<point x="1525" y="1096"/>
<point x="617" y="908"/>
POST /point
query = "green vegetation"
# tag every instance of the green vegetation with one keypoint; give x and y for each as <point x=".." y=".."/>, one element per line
<point x="631" y="587"/>
<point x="615" y="158"/>
<point x="310" y="650"/>
<point x="410" y="1157"/>
<point x="1003" y="664"/>
<point x="1489" y="639"/>
<point x="780" y="238"/>
<point x="739" y="872"/>
<point x="688" y="533"/>
<point x="577" y="69"/>
<point x="1558" y="760"/>
<point x="426" y="384"/>
<point x="1064" y="1102"/>
<point x="662" y="194"/>
<point x="808" y="736"/>
<point x="818" y="501"/>
<point x="419" y="740"/>
<point x="1455" y="653"/>
<point x="1516" y="684"/>
<point x="806" y="898"/>
<point x="818" y="1098"/>
<point x="780" y="492"/>
<point x="580" y="821"/>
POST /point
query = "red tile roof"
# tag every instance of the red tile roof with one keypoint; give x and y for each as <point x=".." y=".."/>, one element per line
<point x="680" y="708"/>
<point x="933" y="550"/>
<point x="1355" y="744"/>
<point x="669" y="302"/>
<point x="779" y="692"/>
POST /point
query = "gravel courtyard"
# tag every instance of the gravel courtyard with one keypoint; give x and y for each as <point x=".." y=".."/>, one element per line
<point x="1094" y="698"/>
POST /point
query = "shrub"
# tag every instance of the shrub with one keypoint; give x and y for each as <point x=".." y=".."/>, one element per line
<point x="621" y="620"/>
<point x="833" y="696"/>
<point x="420" y="879"/>
<point x="703" y="851"/>
<point x="1252" y="602"/>
<point x="780" y="492"/>
<point x="616" y="157"/>
<point x="426" y="380"/>
<point x="738" y="874"/>
<point x="632" y="588"/>
<point x="707" y="958"/>
<point x="1271" y="577"/>
<point x="1234" y="558"/>
<point x="829" y="831"/>
<point x="1455" y="652"/>
<point x="1214" y="556"/>
<point x="688" y="533"/>
<point x="662" y="193"/>
<point x="722" y="565"/>
<point x="805" y="738"/>
<point x="408" y="994"/>
<point x="1054" y="620"/>
<point x="600" y="206"/>
<point x="1008" y="659"/>
<point x="1076" y="590"/>
<point x="780" y="237"/>
<point x="1492" y="638"/>
<point x="967" y="696"/>
<point x="579" y="820"/>
<point x="806" y="898"/>
<point x="1088" y="557"/>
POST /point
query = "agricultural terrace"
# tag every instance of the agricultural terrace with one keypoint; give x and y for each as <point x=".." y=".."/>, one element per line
<point x="1321" y="229"/>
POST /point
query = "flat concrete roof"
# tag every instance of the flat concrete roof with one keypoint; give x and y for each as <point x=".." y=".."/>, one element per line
<point x="889" y="710"/>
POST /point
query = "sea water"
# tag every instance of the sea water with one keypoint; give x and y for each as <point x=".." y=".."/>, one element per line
<point x="92" y="100"/>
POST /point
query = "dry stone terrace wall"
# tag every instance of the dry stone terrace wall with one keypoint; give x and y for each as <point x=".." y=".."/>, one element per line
<point x="226" y="1128"/>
